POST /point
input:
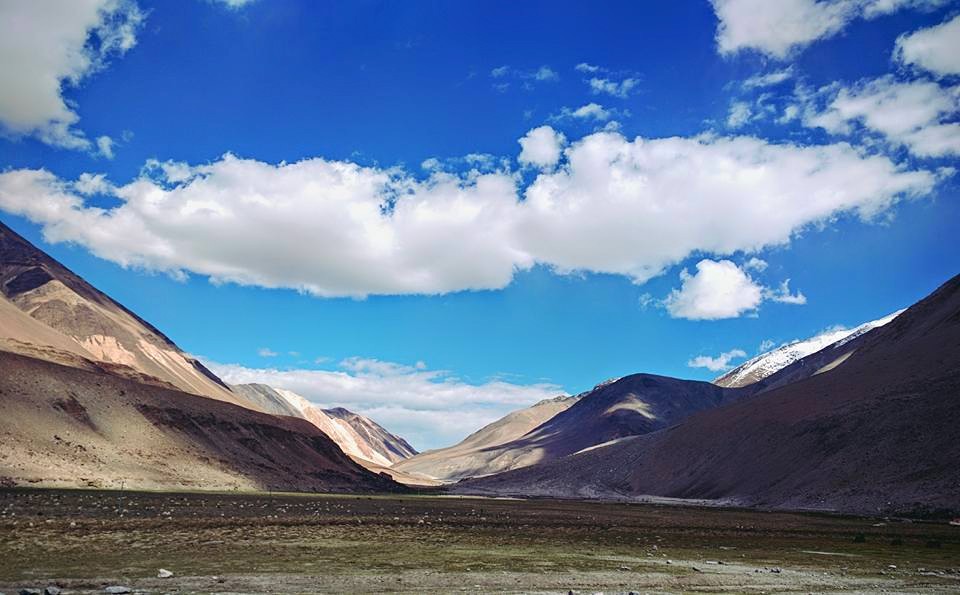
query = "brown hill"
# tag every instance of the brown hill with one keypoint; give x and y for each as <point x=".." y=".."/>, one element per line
<point x="66" y="427"/>
<point x="84" y="326"/>
<point x="877" y="433"/>
<point x="475" y="455"/>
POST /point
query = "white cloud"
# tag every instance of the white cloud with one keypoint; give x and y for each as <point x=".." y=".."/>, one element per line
<point x="717" y="290"/>
<point x="428" y="407"/>
<point x="718" y="363"/>
<point x="917" y="114"/>
<point x="527" y="78"/>
<point x="936" y="49"/>
<point x="755" y="264"/>
<point x="541" y="147"/>
<point x="782" y="295"/>
<point x="47" y="46"/>
<point x="778" y="28"/>
<point x="267" y="352"/>
<point x="766" y="345"/>
<point x="739" y="115"/>
<point x="769" y="79"/>
<point x="105" y="146"/>
<point x="234" y="4"/>
<point x="589" y="111"/>
<point x="619" y="89"/>
<point x="545" y="73"/>
<point x="584" y="67"/>
<point x="334" y="228"/>
<point x="636" y="207"/>
<point x="721" y="289"/>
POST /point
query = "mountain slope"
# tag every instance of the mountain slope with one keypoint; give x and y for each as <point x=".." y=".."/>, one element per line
<point x="66" y="427"/>
<point x="88" y="324"/>
<point x="632" y="405"/>
<point x="358" y="436"/>
<point x="470" y="456"/>
<point x="768" y="363"/>
<point x="877" y="434"/>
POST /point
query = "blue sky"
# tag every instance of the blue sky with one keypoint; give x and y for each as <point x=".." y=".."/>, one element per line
<point x="680" y="161"/>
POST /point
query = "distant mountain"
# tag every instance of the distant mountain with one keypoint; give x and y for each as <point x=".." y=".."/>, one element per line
<point x="474" y="455"/>
<point x="617" y="409"/>
<point x="358" y="436"/>
<point x="766" y="364"/>
<point x="874" y="432"/>
<point x="80" y="326"/>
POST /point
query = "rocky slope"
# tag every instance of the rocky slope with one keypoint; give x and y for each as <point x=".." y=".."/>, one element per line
<point x="66" y="427"/>
<point x="81" y="326"/>
<point x="474" y="454"/>
<point x="358" y="436"/>
<point x="877" y="434"/>
<point x="769" y="363"/>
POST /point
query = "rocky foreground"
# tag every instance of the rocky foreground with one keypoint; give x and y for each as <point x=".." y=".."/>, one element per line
<point x="109" y="542"/>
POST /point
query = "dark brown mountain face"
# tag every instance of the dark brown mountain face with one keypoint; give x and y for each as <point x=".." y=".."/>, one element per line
<point x="65" y="427"/>
<point x="874" y="434"/>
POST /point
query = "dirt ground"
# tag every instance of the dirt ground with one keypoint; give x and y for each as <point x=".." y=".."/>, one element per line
<point x="84" y="541"/>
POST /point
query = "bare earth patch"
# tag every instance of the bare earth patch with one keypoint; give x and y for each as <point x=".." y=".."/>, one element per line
<point x="84" y="541"/>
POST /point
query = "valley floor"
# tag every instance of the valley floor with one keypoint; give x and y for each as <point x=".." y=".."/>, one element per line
<point x="85" y="541"/>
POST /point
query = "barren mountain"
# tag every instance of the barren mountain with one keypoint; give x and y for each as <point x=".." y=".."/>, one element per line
<point x="472" y="456"/>
<point x="632" y="405"/>
<point x="66" y="427"/>
<point x="875" y="434"/>
<point x="81" y="326"/>
<point x="358" y="436"/>
<point x="768" y="363"/>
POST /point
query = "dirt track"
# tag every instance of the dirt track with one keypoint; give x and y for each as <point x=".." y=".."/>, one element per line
<point x="86" y="540"/>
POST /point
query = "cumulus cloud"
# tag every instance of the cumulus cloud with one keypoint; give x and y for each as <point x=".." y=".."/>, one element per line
<point x="717" y="290"/>
<point x="49" y="46"/>
<point x="718" y="363"/>
<point x="779" y="28"/>
<point x="621" y="88"/>
<point x="267" y="352"/>
<point x="636" y="207"/>
<point x="721" y="289"/>
<point x="935" y="49"/>
<point x="430" y="408"/>
<point x="585" y="67"/>
<point x="590" y="111"/>
<point x="541" y="147"/>
<point x="917" y="114"/>
<point x="334" y="228"/>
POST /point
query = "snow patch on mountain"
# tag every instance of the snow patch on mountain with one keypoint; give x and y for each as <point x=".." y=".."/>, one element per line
<point x="770" y="362"/>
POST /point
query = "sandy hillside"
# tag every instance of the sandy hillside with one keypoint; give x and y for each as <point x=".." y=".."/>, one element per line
<point x="62" y="426"/>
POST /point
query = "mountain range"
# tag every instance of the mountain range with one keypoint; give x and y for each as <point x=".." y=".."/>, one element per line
<point x="855" y="420"/>
<point x="865" y="426"/>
